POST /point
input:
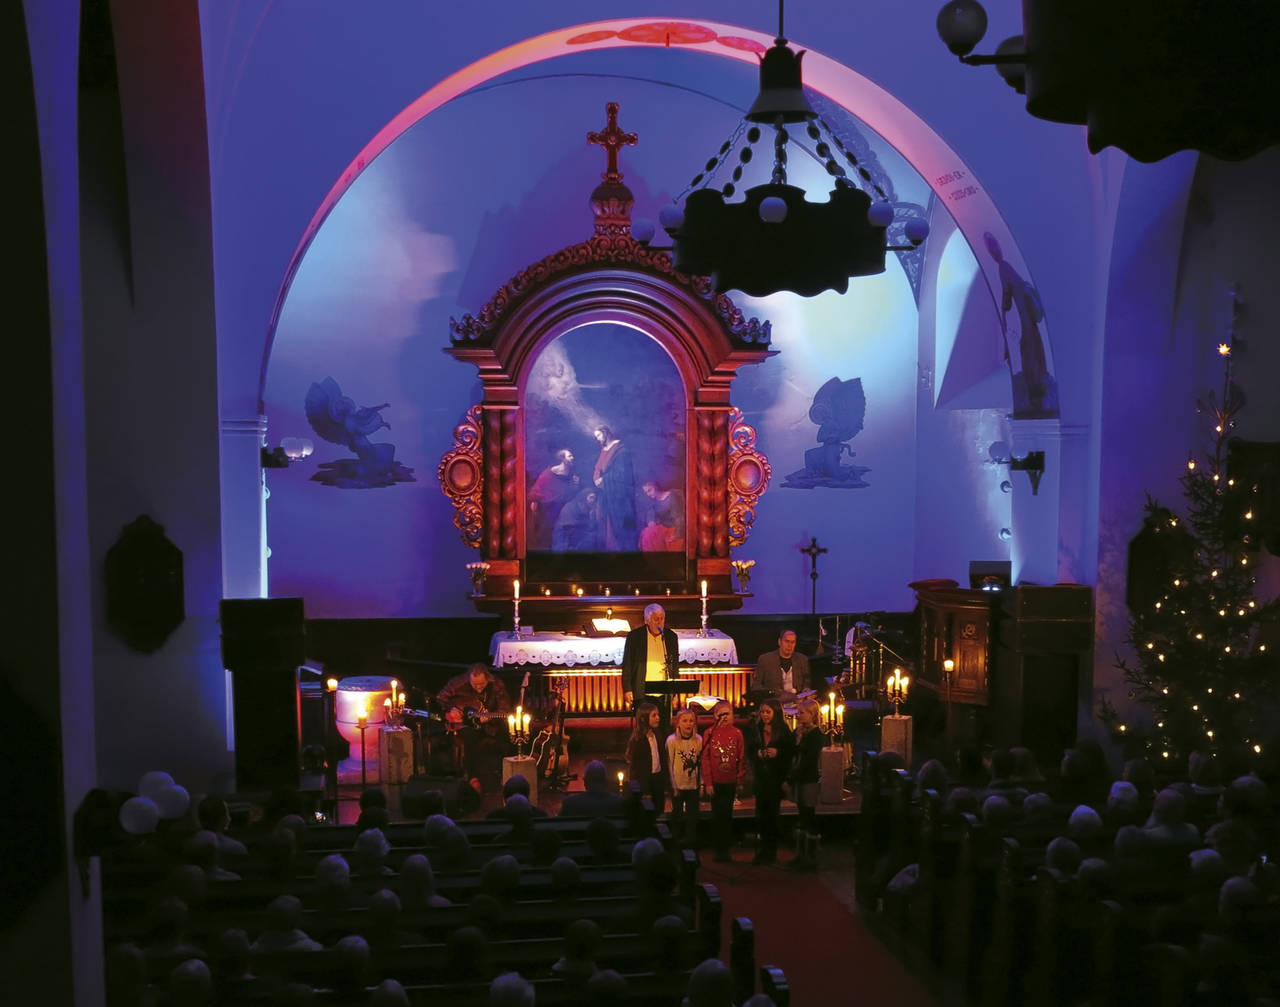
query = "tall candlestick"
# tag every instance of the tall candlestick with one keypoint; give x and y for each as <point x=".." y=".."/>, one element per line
<point x="515" y="588"/>
<point x="704" y="589"/>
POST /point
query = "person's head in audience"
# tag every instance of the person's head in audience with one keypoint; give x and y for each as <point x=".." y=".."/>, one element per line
<point x="351" y="961"/>
<point x="372" y="797"/>
<point x="1038" y="807"/>
<point x="998" y="813"/>
<point x="370" y="854"/>
<point x="373" y="818"/>
<point x="519" y="812"/>
<point x="1130" y="843"/>
<point x="1124" y="805"/>
<point x="932" y="776"/>
<point x="333" y="882"/>
<point x="961" y="801"/>
<point x="453" y="852"/>
<point x="202" y="851"/>
<point x="279" y="853"/>
<point x="511" y="989"/>
<point x="1063" y="855"/>
<point x="1094" y="876"/>
<point x="1207" y="868"/>
<point x="168" y="924"/>
<point x="544" y="845"/>
<point x="1001" y="767"/>
<point x="468" y="952"/>
<point x="1245" y="797"/>
<point x="500" y="877"/>
<point x="1237" y="896"/>
<point x="607" y="986"/>
<point x="516" y="783"/>
<point x="566" y="878"/>
<point x="581" y="944"/>
<point x="384" y="910"/>
<point x="435" y="828"/>
<point x="1026" y="771"/>
<point x="710" y="985"/>
<point x="1235" y="842"/>
<point x="280" y="930"/>
<point x="602" y="840"/>
<point x="389" y="993"/>
<point x="1203" y="773"/>
<point x="1167" y="827"/>
<point x="668" y="940"/>
<point x="1084" y="824"/>
<point x="595" y="777"/>
<point x="1140" y="773"/>
<point x="418" y="884"/>
<point x="190" y="984"/>
<point x="759" y="1000"/>
<point x="189" y="883"/>
<point x="213" y="814"/>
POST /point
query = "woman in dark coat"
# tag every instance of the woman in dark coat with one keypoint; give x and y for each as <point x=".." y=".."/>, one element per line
<point x="769" y="745"/>
<point x="647" y="756"/>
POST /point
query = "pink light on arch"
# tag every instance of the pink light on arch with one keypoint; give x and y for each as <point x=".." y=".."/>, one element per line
<point x="950" y="178"/>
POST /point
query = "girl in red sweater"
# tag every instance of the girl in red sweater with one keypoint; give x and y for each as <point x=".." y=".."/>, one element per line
<point x="723" y="767"/>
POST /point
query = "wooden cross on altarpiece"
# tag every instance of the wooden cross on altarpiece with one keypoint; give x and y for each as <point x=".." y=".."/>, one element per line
<point x="612" y="139"/>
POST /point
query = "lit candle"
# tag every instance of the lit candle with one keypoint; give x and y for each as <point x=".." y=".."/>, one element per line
<point x="619" y="779"/>
<point x="526" y="723"/>
<point x="704" y="589"/>
<point x="637" y="592"/>
<point x="607" y="592"/>
<point x="518" y="709"/>
<point x="580" y="592"/>
<point x="904" y="684"/>
<point x="511" y="723"/>
<point x="840" y="718"/>
<point x="331" y="684"/>
<point x="362" y="717"/>
<point x="831" y="697"/>
<point x="515" y="586"/>
<point x="826" y="712"/>
<point x="394" y="684"/>
<point x="547" y="591"/>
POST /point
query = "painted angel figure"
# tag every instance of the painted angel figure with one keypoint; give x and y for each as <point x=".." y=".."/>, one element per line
<point x="839" y="408"/>
<point x="338" y="419"/>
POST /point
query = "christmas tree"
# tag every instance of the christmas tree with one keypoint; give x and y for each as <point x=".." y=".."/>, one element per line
<point x="1202" y="669"/>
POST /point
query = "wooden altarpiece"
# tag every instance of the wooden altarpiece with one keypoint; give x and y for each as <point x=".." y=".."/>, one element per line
<point x="610" y="277"/>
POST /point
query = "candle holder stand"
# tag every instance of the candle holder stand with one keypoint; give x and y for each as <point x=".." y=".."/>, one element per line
<point x="702" y="632"/>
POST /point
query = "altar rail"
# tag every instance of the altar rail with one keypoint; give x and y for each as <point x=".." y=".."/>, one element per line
<point x="599" y="690"/>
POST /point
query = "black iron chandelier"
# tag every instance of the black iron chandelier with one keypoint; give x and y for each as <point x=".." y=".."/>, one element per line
<point x="774" y="239"/>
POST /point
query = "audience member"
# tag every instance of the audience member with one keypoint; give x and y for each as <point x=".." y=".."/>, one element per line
<point x="434" y="829"/>
<point x="599" y="799"/>
<point x="1039" y="808"/>
<point x="1001" y="781"/>
<point x="710" y="985"/>
<point x="932" y="776"/>
<point x="511" y="989"/>
<point x="1026" y="771"/>
<point x="202" y="851"/>
<point x="280" y="928"/>
<point x="484" y="911"/>
<point x="385" y="932"/>
<point x="417" y="885"/>
<point x="332" y="889"/>
<point x="1167" y="827"/>
<point x="213" y="814"/>
<point x="468" y="953"/>
<point x="169" y="931"/>
<point x="669" y="943"/>
<point x="544" y="845"/>
<point x="961" y="801"/>
<point x="370" y="854"/>
<point x="231" y="963"/>
<point x="1063" y="855"/>
<point x="453" y="852"/>
<point x="1084" y="825"/>
<point x="352" y="964"/>
<point x="603" y="841"/>
<point x="607" y="986"/>
<point x="280" y="853"/>
<point x="566" y="878"/>
<point x="581" y="944"/>
<point x="500" y="877"/>
<point x="516" y="783"/>
<point x="1124" y="804"/>
<point x="190" y="984"/>
<point x="125" y="973"/>
<point x="519" y="812"/>
<point x="999" y="814"/>
<point x="389" y="993"/>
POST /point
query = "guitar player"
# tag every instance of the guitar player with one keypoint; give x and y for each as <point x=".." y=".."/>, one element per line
<point x="476" y="706"/>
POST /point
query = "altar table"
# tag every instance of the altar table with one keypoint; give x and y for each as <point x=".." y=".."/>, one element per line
<point x="566" y="651"/>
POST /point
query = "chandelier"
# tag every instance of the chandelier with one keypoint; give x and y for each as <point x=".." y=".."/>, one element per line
<point x="773" y="238"/>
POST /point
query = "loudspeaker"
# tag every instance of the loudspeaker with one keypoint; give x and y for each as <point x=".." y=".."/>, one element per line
<point x="262" y="632"/>
<point x="263" y="642"/>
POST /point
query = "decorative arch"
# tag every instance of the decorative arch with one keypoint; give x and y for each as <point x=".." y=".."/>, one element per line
<point x="951" y="180"/>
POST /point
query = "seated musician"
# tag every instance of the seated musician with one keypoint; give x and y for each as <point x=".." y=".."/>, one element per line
<point x="782" y="672"/>
<point x="475" y="707"/>
<point x="651" y="653"/>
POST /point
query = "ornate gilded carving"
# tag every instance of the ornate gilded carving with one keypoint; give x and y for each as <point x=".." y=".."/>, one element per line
<point x="461" y="475"/>
<point x="749" y="474"/>
<point x="510" y="481"/>
<point x="603" y="250"/>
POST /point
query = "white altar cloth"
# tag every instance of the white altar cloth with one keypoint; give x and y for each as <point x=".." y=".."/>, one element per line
<point x="563" y="650"/>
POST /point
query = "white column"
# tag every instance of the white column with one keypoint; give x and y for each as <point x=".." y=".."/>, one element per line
<point x="244" y="509"/>
<point x="1036" y="513"/>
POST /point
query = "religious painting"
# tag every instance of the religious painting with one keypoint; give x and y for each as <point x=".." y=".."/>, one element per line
<point x="605" y="431"/>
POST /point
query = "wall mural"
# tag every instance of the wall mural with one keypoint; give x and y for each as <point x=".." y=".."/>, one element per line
<point x="337" y="419"/>
<point x="838" y="409"/>
<point x="605" y="442"/>
<point x="1035" y="392"/>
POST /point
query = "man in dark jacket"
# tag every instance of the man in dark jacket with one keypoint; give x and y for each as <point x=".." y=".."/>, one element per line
<point x="599" y="800"/>
<point x="782" y="672"/>
<point x="652" y="652"/>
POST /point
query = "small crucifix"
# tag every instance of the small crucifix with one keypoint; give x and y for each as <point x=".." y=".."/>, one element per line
<point x="612" y="139"/>
<point x="813" y="551"/>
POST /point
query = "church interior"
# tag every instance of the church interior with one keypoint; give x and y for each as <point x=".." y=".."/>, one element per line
<point x="756" y="356"/>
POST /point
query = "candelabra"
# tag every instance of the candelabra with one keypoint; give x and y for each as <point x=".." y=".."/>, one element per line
<point x="896" y="689"/>
<point x="833" y="718"/>
<point x="518" y="729"/>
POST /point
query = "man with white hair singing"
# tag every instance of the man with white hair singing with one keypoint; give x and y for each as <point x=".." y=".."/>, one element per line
<point x="651" y="653"/>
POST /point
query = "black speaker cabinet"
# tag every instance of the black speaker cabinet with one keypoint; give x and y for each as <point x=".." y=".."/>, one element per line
<point x="263" y="643"/>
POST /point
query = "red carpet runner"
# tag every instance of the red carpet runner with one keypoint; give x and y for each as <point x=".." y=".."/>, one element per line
<point x="805" y="929"/>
